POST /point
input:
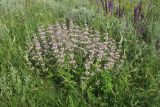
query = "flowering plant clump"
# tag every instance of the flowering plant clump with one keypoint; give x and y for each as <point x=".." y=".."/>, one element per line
<point x="108" y="8"/>
<point x="69" y="47"/>
<point x="140" y="17"/>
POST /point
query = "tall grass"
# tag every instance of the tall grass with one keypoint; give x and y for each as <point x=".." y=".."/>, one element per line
<point x="135" y="84"/>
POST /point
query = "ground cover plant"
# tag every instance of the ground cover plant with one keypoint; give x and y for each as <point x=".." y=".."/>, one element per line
<point x="69" y="53"/>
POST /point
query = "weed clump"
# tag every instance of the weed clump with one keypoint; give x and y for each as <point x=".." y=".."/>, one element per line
<point x="69" y="47"/>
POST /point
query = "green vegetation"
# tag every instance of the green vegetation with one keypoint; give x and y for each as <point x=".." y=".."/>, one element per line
<point x="135" y="84"/>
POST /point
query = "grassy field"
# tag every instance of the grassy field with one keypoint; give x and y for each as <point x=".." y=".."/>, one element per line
<point x="135" y="84"/>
